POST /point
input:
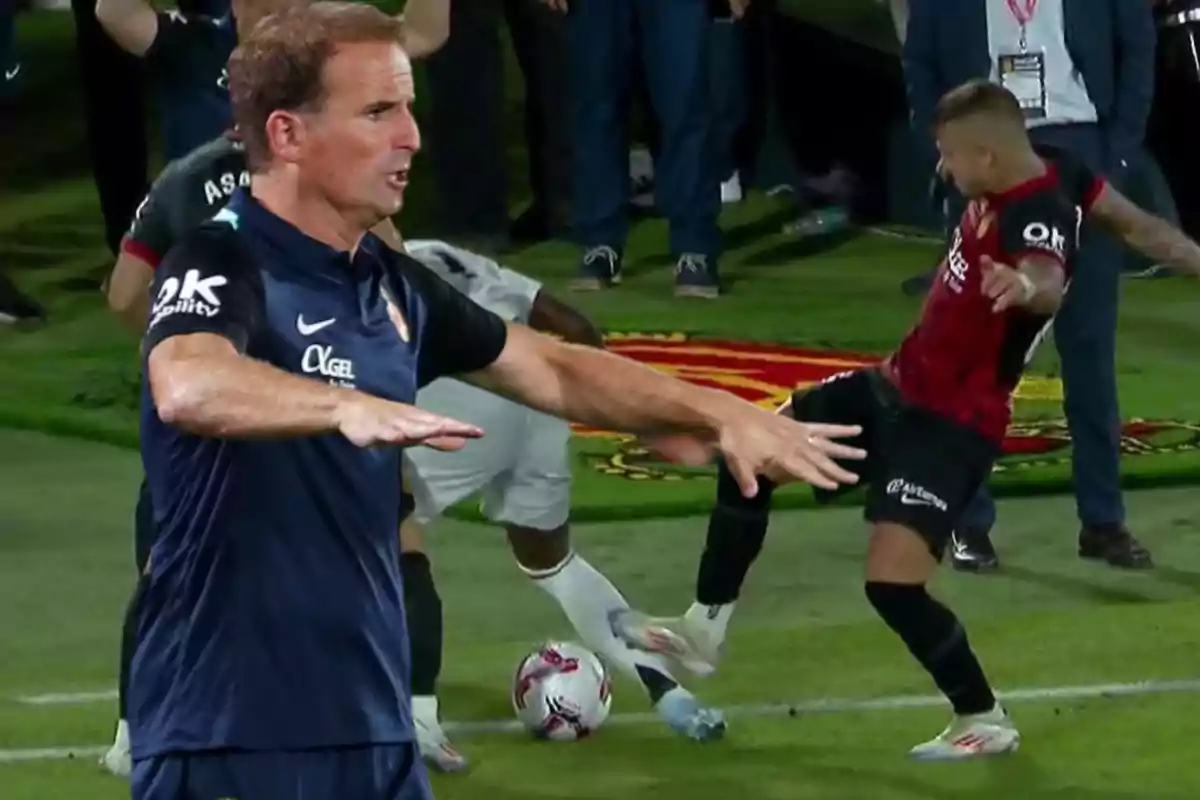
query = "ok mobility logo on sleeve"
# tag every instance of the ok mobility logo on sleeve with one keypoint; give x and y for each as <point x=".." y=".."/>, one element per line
<point x="766" y="374"/>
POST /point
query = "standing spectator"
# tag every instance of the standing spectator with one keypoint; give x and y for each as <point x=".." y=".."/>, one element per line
<point x="466" y="123"/>
<point x="185" y="54"/>
<point x="1083" y="71"/>
<point x="1174" y="128"/>
<point x="674" y="37"/>
<point x="114" y="121"/>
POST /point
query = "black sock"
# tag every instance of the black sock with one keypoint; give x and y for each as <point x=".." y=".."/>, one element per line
<point x="736" y="530"/>
<point x="423" y="613"/>
<point x="657" y="684"/>
<point x="128" y="645"/>
<point x="936" y="638"/>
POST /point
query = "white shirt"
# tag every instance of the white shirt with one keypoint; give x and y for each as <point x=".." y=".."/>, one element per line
<point x="505" y="293"/>
<point x="1067" y="98"/>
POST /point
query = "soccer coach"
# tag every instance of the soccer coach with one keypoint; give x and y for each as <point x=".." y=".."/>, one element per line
<point x="284" y="349"/>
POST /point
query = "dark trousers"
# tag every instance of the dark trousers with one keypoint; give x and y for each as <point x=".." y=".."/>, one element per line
<point x="675" y="38"/>
<point x="467" y="114"/>
<point x="114" y="121"/>
<point x="1086" y="334"/>
<point x="1174" y="129"/>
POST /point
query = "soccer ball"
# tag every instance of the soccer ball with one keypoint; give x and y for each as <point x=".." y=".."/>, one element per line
<point x="561" y="691"/>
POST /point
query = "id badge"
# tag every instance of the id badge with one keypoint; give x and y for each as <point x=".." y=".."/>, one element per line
<point x="1024" y="74"/>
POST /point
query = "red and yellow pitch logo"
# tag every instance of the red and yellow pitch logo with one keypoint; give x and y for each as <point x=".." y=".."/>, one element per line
<point x="767" y="374"/>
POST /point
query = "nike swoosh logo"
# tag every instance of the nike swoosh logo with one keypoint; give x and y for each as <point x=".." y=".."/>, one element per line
<point x="9" y="74"/>
<point x="308" y="330"/>
<point x="909" y="500"/>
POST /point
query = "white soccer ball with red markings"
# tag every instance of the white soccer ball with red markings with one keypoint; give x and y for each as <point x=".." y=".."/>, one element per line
<point x="562" y="691"/>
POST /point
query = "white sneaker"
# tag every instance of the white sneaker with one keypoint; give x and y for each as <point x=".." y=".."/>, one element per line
<point x="684" y="639"/>
<point x="731" y="189"/>
<point x="988" y="734"/>
<point x="118" y="761"/>
<point x="432" y="741"/>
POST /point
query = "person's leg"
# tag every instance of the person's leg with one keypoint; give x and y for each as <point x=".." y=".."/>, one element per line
<point x="423" y="618"/>
<point x="532" y="501"/>
<point x="114" y="121"/>
<point x="932" y="469"/>
<point x="677" y="52"/>
<point x="539" y="36"/>
<point x="1085" y="332"/>
<point x="600" y="37"/>
<point x="466" y="124"/>
<point x="117" y="759"/>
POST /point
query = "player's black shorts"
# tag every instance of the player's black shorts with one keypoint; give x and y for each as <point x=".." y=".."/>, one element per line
<point x="385" y="772"/>
<point x="921" y="468"/>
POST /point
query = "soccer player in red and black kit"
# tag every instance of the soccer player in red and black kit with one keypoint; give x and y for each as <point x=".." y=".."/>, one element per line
<point x="935" y="411"/>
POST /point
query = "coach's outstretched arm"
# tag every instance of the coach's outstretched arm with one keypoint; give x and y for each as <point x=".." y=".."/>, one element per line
<point x="208" y="303"/>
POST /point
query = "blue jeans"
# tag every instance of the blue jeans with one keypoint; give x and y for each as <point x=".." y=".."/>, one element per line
<point x="675" y="48"/>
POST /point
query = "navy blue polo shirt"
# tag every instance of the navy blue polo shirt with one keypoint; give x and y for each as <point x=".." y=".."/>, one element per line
<point x="273" y="616"/>
<point x="187" y="61"/>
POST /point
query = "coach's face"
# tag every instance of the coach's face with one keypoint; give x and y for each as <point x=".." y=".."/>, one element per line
<point x="364" y="137"/>
<point x="965" y="158"/>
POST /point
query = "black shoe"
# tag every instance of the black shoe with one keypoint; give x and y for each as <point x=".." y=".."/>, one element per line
<point x="972" y="551"/>
<point x="599" y="269"/>
<point x="1115" y="545"/>
<point x="696" y="276"/>
<point x="535" y="225"/>
<point x="16" y="307"/>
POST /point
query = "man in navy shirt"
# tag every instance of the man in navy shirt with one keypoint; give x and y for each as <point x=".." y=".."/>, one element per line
<point x="284" y="349"/>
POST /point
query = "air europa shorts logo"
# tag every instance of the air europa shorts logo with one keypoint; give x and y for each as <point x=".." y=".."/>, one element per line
<point x="766" y="374"/>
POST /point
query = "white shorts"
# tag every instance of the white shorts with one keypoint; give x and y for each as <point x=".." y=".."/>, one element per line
<point x="521" y="465"/>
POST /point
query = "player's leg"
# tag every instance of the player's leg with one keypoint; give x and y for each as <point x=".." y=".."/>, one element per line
<point x="423" y="615"/>
<point x="437" y="481"/>
<point x="931" y="471"/>
<point x="533" y="502"/>
<point x="117" y="759"/>
<point x="737" y="528"/>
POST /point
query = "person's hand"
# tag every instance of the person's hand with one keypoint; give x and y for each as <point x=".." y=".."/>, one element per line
<point x="368" y="421"/>
<point x="1005" y="286"/>
<point x="738" y="8"/>
<point x="556" y="5"/>
<point x="756" y="442"/>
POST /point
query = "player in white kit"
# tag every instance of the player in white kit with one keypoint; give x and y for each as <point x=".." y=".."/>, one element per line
<point x="522" y="472"/>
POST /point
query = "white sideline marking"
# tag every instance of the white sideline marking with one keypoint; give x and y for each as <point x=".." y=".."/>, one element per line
<point x="832" y="705"/>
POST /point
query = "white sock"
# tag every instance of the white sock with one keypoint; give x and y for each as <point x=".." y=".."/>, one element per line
<point x="121" y="741"/>
<point x="587" y="598"/>
<point x="425" y="708"/>
<point x="711" y="620"/>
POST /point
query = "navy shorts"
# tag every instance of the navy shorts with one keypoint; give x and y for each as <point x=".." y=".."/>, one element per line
<point x="387" y="772"/>
<point x="143" y="528"/>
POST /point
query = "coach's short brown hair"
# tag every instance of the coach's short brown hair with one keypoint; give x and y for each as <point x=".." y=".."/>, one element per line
<point x="976" y="98"/>
<point x="281" y="64"/>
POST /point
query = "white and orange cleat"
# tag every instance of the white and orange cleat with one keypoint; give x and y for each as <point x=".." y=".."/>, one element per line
<point x="973" y="736"/>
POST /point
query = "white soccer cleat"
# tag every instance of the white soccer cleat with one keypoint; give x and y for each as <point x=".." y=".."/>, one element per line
<point x="118" y="761"/>
<point x="685" y="639"/>
<point x="432" y="741"/>
<point x="989" y="734"/>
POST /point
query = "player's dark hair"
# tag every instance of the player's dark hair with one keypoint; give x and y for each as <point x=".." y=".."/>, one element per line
<point x="978" y="98"/>
<point x="280" y="66"/>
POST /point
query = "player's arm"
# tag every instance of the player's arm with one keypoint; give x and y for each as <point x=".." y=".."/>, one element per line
<point x="1036" y="283"/>
<point x="426" y="27"/>
<point x="548" y="314"/>
<point x="1150" y="235"/>
<point x="133" y="24"/>
<point x="142" y="248"/>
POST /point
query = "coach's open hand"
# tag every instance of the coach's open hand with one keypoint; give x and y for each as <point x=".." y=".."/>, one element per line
<point x="755" y="442"/>
<point x="367" y="421"/>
